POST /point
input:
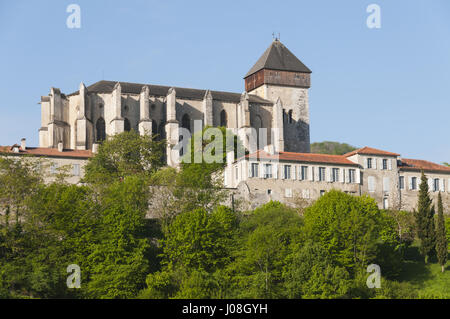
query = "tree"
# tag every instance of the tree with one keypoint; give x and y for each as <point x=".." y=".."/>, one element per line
<point x="124" y="154"/>
<point x="425" y="220"/>
<point x="263" y="244"/>
<point x="334" y="148"/>
<point x="441" y="238"/>
<point x="346" y="226"/>
<point x="311" y="273"/>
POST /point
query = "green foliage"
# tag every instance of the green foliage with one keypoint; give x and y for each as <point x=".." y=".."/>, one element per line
<point x="311" y="273"/>
<point x="122" y="155"/>
<point x="346" y="226"/>
<point x="199" y="240"/>
<point x="441" y="238"/>
<point x="425" y="220"/>
<point x="263" y="245"/>
<point x="333" y="148"/>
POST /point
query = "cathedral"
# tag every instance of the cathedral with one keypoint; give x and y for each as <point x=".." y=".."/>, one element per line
<point x="275" y="98"/>
<point x="274" y="107"/>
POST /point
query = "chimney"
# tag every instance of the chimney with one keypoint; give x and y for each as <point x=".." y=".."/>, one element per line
<point x="60" y="146"/>
<point x="23" y="144"/>
<point x="95" y="148"/>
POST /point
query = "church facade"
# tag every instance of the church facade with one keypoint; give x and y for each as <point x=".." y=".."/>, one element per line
<point x="276" y="98"/>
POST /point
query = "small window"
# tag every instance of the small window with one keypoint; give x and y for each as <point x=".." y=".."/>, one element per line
<point x="414" y="183"/>
<point x="267" y="170"/>
<point x="385" y="164"/>
<point x="335" y="174"/>
<point x="76" y="169"/>
<point x="287" y="171"/>
<point x="401" y="182"/>
<point x="371" y="183"/>
<point x="351" y="175"/>
<point x="254" y="170"/>
<point x="369" y="163"/>
<point x="385" y="203"/>
<point x="322" y="192"/>
<point x="288" y="192"/>
<point x="436" y="185"/>
<point x="269" y="192"/>
<point x="321" y="174"/>
<point x="304" y="173"/>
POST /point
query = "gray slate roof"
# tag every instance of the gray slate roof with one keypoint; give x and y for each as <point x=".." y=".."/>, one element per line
<point x="278" y="57"/>
<point x="182" y="93"/>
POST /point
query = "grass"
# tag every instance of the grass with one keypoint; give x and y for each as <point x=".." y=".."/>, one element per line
<point x="427" y="279"/>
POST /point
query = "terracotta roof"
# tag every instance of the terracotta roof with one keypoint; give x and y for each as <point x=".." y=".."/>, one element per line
<point x="160" y="90"/>
<point x="370" y="151"/>
<point x="47" y="152"/>
<point x="418" y="165"/>
<point x="278" y="57"/>
<point x="303" y="157"/>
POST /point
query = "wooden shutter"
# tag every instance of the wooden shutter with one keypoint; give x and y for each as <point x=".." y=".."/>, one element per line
<point x="374" y="163"/>
<point x="275" y="171"/>
<point x="311" y="173"/>
<point x="441" y="184"/>
<point x="358" y="176"/>
<point x="294" y="172"/>
<point x="389" y="164"/>
<point x="410" y="183"/>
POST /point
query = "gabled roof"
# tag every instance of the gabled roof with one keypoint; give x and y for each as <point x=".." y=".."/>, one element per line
<point x="278" y="57"/>
<point x="302" y="157"/>
<point x="371" y="151"/>
<point x="160" y="90"/>
<point x="407" y="164"/>
<point x="46" y="152"/>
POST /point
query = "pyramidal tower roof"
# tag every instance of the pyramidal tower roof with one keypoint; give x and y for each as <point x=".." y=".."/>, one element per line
<point x="278" y="57"/>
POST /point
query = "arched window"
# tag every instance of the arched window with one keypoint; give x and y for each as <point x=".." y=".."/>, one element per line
<point x="100" y="128"/>
<point x="127" y="125"/>
<point x="154" y="127"/>
<point x="257" y="123"/>
<point x="223" y="119"/>
<point x="290" y="117"/>
<point x="186" y="122"/>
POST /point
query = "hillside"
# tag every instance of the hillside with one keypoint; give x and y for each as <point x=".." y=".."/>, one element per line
<point x="334" y="148"/>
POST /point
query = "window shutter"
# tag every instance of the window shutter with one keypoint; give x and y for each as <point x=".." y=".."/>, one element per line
<point x="448" y="185"/>
<point x="261" y="170"/>
<point x="294" y="172"/>
<point x="366" y="165"/>
<point x="390" y="164"/>
<point x="275" y="171"/>
<point x="347" y="175"/>
<point x="441" y="184"/>
<point x="358" y="176"/>
<point x="250" y="165"/>
<point x="316" y="174"/>
<point x="330" y="173"/>
<point x="410" y="183"/>
<point x="283" y="170"/>
<point x="374" y="162"/>
<point x="311" y="173"/>
<point x="430" y="184"/>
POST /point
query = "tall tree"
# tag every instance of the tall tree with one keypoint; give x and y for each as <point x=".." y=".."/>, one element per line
<point x="441" y="238"/>
<point x="425" y="220"/>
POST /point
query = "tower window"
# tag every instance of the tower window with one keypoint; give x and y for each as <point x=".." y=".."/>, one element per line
<point x="127" y="125"/>
<point x="223" y="118"/>
<point x="100" y="128"/>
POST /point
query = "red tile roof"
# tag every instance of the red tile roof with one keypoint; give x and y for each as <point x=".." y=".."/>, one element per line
<point x="418" y="165"/>
<point x="303" y="157"/>
<point x="371" y="151"/>
<point x="47" y="152"/>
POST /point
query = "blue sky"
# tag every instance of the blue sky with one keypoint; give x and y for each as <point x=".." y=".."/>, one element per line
<point x="386" y="88"/>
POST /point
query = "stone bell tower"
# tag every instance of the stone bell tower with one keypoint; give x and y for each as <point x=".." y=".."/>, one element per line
<point x="279" y="76"/>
